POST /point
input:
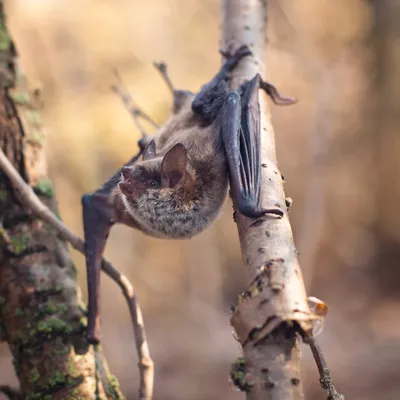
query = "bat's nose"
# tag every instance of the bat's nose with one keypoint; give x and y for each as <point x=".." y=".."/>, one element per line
<point x="126" y="172"/>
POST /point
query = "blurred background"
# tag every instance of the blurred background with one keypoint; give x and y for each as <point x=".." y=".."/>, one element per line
<point x="338" y="149"/>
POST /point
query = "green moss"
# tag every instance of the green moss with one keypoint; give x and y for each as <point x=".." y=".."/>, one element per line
<point x="59" y="288"/>
<point x="3" y="195"/>
<point x="17" y="367"/>
<point x="57" y="379"/>
<point x="32" y="116"/>
<point x="72" y="369"/>
<point x="4" y="309"/>
<point x="22" y="97"/>
<point x="19" y="242"/>
<point x="5" y="39"/>
<point x="35" y="376"/>
<point x="34" y="396"/>
<point x="19" y="312"/>
<point x="238" y="375"/>
<point x="20" y="338"/>
<point x="50" y="308"/>
<point x="113" y="387"/>
<point x="45" y="309"/>
<point x="35" y="137"/>
<point x="62" y="308"/>
<point x="44" y="188"/>
<point x="54" y="324"/>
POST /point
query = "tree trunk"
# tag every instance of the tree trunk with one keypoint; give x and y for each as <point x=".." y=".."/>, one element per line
<point x="41" y="316"/>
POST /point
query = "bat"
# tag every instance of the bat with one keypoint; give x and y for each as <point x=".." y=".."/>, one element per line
<point x="175" y="187"/>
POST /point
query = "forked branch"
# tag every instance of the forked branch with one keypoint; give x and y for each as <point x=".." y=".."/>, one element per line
<point x="27" y="196"/>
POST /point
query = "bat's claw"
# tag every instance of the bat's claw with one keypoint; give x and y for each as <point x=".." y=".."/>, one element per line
<point x="93" y="335"/>
<point x="93" y="340"/>
<point x="254" y="212"/>
<point x="273" y="211"/>
<point x="236" y="55"/>
<point x="276" y="97"/>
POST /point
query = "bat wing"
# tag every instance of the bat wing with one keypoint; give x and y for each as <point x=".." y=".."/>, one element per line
<point x="240" y="130"/>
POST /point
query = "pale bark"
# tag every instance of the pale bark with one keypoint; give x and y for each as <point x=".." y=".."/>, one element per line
<point x="274" y="309"/>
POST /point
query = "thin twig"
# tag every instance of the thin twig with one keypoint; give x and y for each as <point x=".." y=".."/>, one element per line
<point x="103" y="372"/>
<point x="28" y="197"/>
<point x="162" y="69"/>
<point x="130" y="104"/>
<point x="325" y="377"/>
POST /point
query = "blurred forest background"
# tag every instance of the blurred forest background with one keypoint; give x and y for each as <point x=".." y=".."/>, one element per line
<point x="339" y="149"/>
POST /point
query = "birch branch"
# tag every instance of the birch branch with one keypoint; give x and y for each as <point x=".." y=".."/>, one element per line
<point x="274" y="309"/>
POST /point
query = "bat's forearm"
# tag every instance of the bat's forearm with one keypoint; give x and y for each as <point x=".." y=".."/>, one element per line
<point x="96" y="228"/>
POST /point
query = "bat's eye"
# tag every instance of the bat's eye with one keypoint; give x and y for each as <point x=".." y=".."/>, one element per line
<point x="153" y="183"/>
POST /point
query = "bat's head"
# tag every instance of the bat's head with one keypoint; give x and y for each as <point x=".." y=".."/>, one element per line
<point x="154" y="173"/>
<point x="156" y="189"/>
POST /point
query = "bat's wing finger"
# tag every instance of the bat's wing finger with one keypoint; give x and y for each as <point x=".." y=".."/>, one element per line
<point x="240" y="152"/>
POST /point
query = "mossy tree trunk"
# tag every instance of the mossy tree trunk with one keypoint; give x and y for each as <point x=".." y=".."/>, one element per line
<point x="40" y="313"/>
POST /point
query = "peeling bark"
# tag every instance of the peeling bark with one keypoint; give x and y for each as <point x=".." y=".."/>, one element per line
<point x="272" y="313"/>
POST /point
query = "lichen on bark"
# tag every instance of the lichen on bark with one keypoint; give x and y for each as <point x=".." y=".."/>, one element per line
<point x="41" y="317"/>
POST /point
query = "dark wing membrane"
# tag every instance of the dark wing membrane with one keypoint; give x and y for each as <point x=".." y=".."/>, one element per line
<point x="250" y="148"/>
<point x="240" y="129"/>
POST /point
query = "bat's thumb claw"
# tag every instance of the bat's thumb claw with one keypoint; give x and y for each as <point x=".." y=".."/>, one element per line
<point x="286" y="101"/>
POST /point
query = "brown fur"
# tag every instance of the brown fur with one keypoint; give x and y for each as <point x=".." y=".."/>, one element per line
<point x="188" y="208"/>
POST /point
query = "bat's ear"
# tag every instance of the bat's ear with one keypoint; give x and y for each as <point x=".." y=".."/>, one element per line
<point x="149" y="151"/>
<point x="173" y="167"/>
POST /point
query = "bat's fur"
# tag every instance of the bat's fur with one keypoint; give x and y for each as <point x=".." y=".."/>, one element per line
<point x="176" y="188"/>
<point x="190" y="206"/>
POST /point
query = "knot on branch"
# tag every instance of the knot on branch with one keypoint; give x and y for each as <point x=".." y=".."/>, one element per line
<point x="265" y="305"/>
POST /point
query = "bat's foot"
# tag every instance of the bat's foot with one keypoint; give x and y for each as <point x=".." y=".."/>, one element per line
<point x="93" y="333"/>
<point x="233" y="57"/>
<point x="241" y="52"/>
<point x="93" y="339"/>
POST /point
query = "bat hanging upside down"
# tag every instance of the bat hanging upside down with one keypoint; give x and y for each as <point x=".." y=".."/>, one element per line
<point x="176" y="186"/>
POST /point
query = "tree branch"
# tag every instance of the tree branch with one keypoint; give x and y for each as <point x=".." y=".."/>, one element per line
<point x="40" y="315"/>
<point x="32" y="202"/>
<point x="274" y="309"/>
<point x="324" y="373"/>
<point x="129" y="103"/>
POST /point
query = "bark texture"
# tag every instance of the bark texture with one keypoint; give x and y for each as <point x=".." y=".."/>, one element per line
<point x="41" y="316"/>
<point x="274" y="310"/>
